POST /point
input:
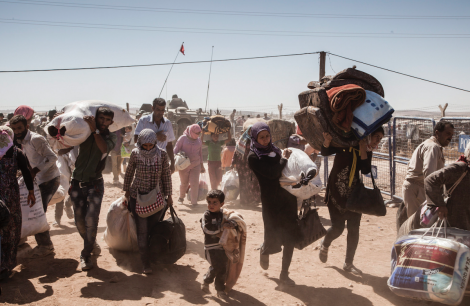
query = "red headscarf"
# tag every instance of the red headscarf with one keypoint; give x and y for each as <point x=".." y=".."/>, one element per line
<point x="24" y="110"/>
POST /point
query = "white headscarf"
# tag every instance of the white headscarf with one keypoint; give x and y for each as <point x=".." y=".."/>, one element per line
<point x="6" y="140"/>
<point x="148" y="157"/>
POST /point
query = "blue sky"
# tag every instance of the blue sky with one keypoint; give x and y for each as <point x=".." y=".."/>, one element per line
<point x="257" y="85"/>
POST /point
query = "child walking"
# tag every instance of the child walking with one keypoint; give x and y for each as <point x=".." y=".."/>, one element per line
<point x="214" y="163"/>
<point x="212" y="227"/>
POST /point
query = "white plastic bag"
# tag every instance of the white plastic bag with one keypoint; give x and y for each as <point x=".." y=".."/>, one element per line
<point x="121" y="231"/>
<point x="202" y="190"/>
<point x="34" y="219"/>
<point x="230" y="185"/>
<point x="299" y="162"/>
<point x="181" y="161"/>
<point x="77" y="130"/>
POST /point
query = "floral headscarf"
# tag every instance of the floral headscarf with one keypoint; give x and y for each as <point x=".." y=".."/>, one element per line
<point x="6" y="140"/>
<point x="148" y="157"/>
<point x="192" y="131"/>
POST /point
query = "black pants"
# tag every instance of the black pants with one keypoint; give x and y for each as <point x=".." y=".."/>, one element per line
<point x="218" y="269"/>
<point x="48" y="189"/>
<point x="338" y="221"/>
<point x="144" y="225"/>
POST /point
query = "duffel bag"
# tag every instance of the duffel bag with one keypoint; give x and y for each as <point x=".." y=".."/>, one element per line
<point x="167" y="240"/>
<point x="430" y="268"/>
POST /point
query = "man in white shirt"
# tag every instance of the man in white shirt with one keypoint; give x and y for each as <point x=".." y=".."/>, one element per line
<point x="43" y="163"/>
<point x="160" y="125"/>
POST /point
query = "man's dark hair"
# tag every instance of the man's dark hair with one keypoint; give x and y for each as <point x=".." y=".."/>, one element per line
<point x="10" y="115"/>
<point x="105" y="111"/>
<point x="19" y="118"/>
<point x="1" y="115"/>
<point x="441" y="126"/>
<point x="159" y="102"/>
<point x="216" y="194"/>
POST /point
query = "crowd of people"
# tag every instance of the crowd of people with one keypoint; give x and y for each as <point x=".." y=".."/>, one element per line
<point x="149" y="162"/>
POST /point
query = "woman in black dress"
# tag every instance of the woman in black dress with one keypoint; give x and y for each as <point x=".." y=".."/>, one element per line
<point x="343" y="178"/>
<point x="279" y="207"/>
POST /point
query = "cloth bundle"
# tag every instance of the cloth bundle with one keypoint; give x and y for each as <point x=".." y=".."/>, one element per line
<point x="281" y="130"/>
<point x="343" y="101"/>
<point x="371" y="115"/>
<point x="217" y="125"/>
<point x="338" y="100"/>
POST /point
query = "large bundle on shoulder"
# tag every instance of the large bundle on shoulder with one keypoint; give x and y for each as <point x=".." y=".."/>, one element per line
<point x="218" y="125"/>
<point x="69" y="129"/>
<point x="349" y="106"/>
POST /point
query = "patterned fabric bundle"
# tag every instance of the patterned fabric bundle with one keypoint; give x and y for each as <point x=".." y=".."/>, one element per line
<point x="6" y="140"/>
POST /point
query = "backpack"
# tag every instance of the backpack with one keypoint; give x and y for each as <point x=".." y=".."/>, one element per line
<point x="167" y="240"/>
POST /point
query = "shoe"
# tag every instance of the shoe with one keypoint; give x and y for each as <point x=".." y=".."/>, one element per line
<point x="41" y="251"/>
<point x="286" y="280"/>
<point x="96" y="249"/>
<point x="323" y="253"/>
<point x="68" y="211"/>
<point x="56" y="223"/>
<point x="116" y="182"/>
<point x="205" y="288"/>
<point x="222" y="294"/>
<point x="86" y="263"/>
<point x="180" y="201"/>
<point x="263" y="260"/>
<point x="352" y="269"/>
<point x="147" y="271"/>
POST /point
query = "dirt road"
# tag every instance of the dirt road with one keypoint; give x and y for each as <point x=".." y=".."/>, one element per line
<point x="116" y="278"/>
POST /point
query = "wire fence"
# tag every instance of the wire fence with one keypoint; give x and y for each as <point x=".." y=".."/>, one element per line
<point x="461" y="135"/>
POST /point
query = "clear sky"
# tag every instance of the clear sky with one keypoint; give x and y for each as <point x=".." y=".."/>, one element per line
<point x="257" y="85"/>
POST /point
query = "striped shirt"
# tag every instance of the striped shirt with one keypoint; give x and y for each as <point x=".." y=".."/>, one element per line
<point x="146" y="122"/>
<point x="211" y="224"/>
<point x="144" y="178"/>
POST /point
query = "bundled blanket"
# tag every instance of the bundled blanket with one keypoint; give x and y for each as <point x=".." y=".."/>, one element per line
<point x="343" y="101"/>
<point x="217" y="125"/>
<point x="370" y="115"/>
<point x="234" y="243"/>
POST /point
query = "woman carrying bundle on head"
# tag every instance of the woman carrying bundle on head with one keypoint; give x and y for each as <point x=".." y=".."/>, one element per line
<point x="148" y="166"/>
<point x="279" y="207"/>
<point x="342" y="180"/>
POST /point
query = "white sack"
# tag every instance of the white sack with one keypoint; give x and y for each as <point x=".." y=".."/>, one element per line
<point x="299" y="162"/>
<point x="34" y="219"/>
<point x="77" y="130"/>
<point x="230" y="185"/>
<point x="121" y="231"/>
<point x="66" y="164"/>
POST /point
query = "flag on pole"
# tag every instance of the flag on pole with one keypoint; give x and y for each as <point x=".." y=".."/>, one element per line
<point x="182" y="49"/>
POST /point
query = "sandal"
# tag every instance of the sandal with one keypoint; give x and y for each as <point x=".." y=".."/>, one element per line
<point x="323" y="253"/>
<point x="352" y="269"/>
<point x="263" y="260"/>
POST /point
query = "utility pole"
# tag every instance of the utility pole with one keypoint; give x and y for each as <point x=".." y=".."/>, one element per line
<point x="322" y="64"/>
<point x="279" y="107"/>
<point x="443" y="109"/>
<point x="127" y="107"/>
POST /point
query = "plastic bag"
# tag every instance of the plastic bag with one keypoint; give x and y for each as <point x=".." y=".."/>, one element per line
<point x="77" y="130"/>
<point x="299" y="162"/>
<point x="230" y="185"/>
<point x="181" y="161"/>
<point x="203" y="188"/>
<point x="430" y="268"/>
<point x="121" y="231"/>
<point x="34" y="219"/>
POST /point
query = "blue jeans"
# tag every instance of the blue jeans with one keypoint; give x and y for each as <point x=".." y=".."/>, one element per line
<point x="87" y="205"/>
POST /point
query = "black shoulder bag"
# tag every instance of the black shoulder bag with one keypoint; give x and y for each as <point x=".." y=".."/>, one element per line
<point x="367" y="201"/>
<point x="310" y="226"/>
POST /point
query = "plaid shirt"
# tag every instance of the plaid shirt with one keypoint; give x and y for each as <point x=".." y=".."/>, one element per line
<point x="146" y="177"/>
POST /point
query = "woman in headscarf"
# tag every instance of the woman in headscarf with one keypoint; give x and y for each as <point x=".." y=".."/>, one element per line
<point x="148" y="166"/>
<point x="250" y="193"/>
<point x="279" y="207"/>
<point x="342" y="180"/>
<point x="12" y="158"/>
<point x="26" y="111"/>
<point x="191" y="145"/>
<point x="457" y="209"/>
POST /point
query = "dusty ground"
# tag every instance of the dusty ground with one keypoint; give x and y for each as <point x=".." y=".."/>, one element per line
<point x="116" y="278"/>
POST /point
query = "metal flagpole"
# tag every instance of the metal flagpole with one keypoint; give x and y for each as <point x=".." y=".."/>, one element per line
<point x="170" y="71"/>
<point x="208" y="84"/>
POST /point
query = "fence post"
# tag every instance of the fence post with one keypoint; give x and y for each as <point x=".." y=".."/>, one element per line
<point x="390" y="157"/>
<point x="325" y="169"/>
